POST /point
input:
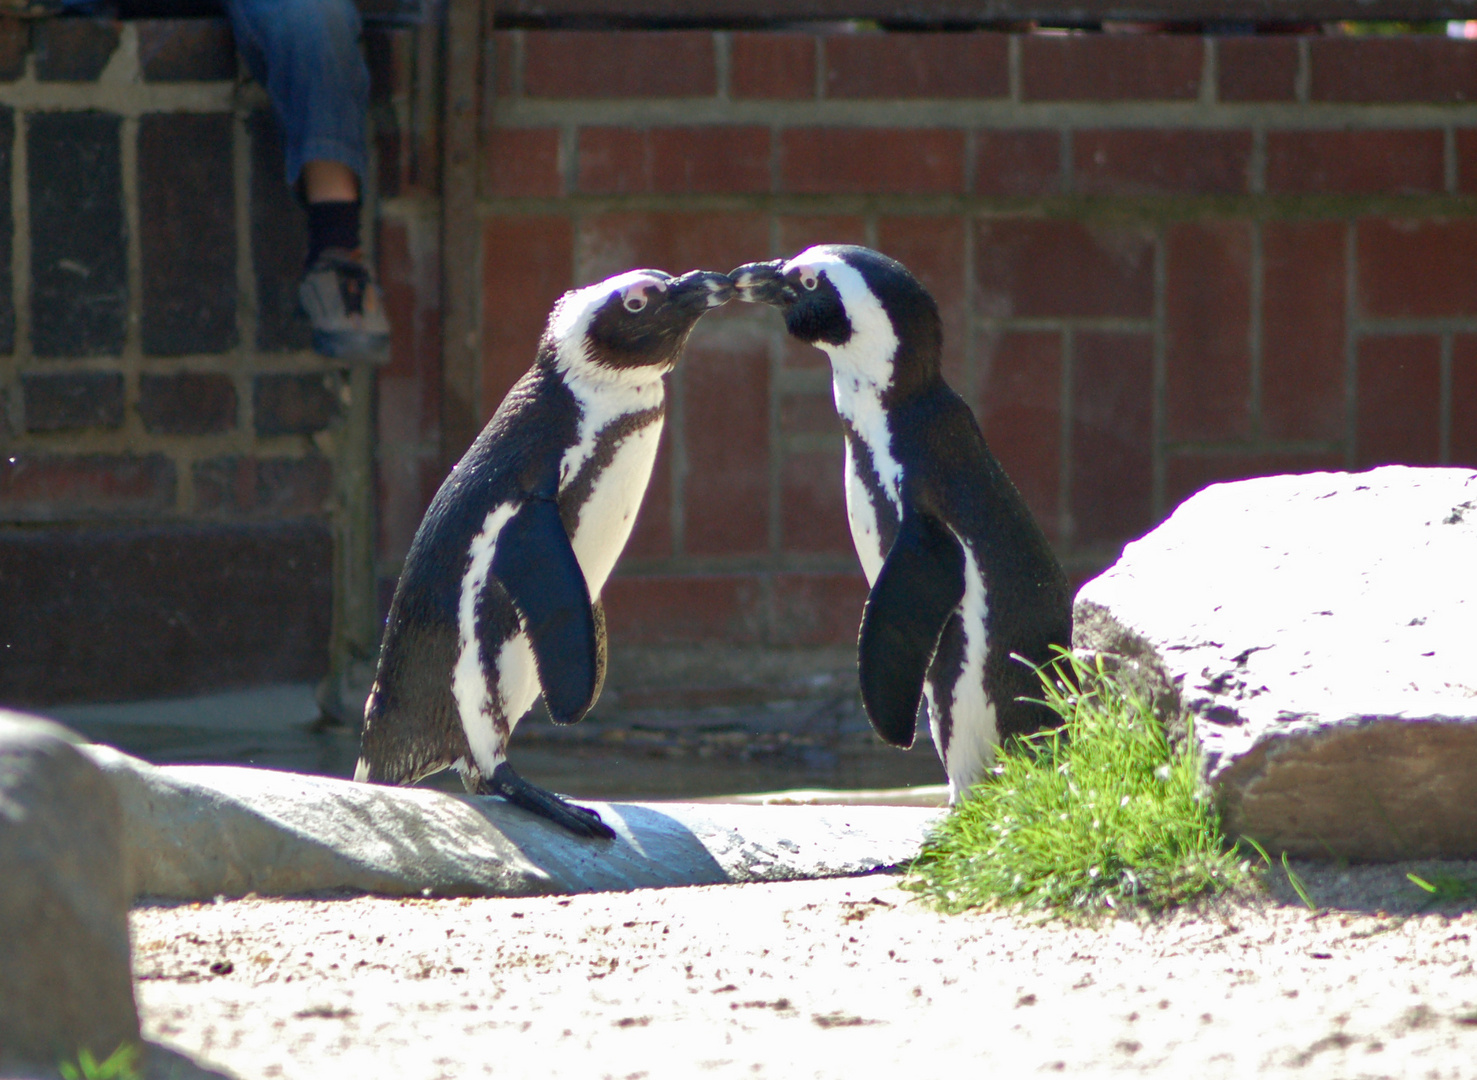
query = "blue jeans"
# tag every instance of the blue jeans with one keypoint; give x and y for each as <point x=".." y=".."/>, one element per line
<point x="306" y="53"/>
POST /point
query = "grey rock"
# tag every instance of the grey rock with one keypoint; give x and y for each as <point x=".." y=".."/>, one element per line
<point x="65" y="980"/>
<point x="199" y="831"/>
<point x="1321" y="633"/>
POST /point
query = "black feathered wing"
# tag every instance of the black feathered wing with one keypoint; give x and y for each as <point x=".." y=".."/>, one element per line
<point x="535" y="565"/>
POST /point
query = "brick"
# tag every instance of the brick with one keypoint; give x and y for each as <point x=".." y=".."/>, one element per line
<point x="1466" y="160"/>
<point x="409" y="275"/>
<point x="685" y="610"/>
<point x="1207" y="300"/>
<point x="1111" y="67"/>
<point x="272" y="488"/>
<point x="652" y="536"/>
<point x="79" y="282"/>
<point x="15" y="42"/>
<point x="73" y="402"/>
<point x="293" y="404"/>
<point x="817" y="609"/>
<point x="1463" y="401"/>
<point x="279" y="241"/>
<point x="1020" y="411"/>
<point x="675" y="242"/>
<point x="1303" y="291"/>
<point x="1185" y="474"/>
<point x="771" y="66"/>
<point x="1392" y="69"/>
<point x="933" y="249"/>
<point x="189" y="403"/>
<point x="527" y="264"/>
<point x="1017" y="163"/>
<point x="1059" y="268"/>
<point x="7" y="232"/>
<point x="1417" y="269"/>
<point x="56" y="487"/>
<point x="522" y="163"/>
<point x="872" y="161"/>
<point x="73" y="50"/>
<point x="809" y="414"/>
<point x="407" y="483"/>
<point x="1398" y="406"/>
<point x="1258" y="68"/>
<point x="798" y="232"/>
<point x="186" y="50"/>
<point x="672" y="161"/>
<point x="617" y="64"/>
<point x="1112" y="488"/>
<point x="813" y="504"/>
<point x="1355" y="162"/>
<point x="121" y="614"/>
<point x="187" y="233"/>
<point x="1149" y="162"/>
<point x="725" y="416"/>
<point x="917" y="65"/>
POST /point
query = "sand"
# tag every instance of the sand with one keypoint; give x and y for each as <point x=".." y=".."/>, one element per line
<point x="839" y="978"/>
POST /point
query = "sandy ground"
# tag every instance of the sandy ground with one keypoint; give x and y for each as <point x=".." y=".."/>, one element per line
<point x="843" y="978"/>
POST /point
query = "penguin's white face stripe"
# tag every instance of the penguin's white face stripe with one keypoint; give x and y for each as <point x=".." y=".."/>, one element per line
<point x="973" y="735"/>
<point x="861" y="369"/>
<point x="474" y="698"/>
<point x="571" y="318"/>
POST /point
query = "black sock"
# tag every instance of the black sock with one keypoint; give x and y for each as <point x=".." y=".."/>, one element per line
<point x="332" y="225"/>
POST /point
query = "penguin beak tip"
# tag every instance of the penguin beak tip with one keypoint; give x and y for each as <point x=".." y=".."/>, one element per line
<point x="759" y="283"/>
<point x="709" y="287"/>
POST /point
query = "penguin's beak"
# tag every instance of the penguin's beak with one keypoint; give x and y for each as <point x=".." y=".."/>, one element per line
<point x="761" y="283"/>
<point x="698" y="290"/>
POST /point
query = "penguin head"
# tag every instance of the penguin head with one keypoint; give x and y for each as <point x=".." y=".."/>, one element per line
<point x="864" y="310"/>
<point x="633" y="321"/>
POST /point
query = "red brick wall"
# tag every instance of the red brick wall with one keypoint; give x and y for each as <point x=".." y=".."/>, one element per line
<point x="1162" y="261"/>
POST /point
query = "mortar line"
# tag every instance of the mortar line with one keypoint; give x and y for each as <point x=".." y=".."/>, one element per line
<point x="246" y="291"/>
<point x="723" y="64"/>
<point x="1209" y="71"/>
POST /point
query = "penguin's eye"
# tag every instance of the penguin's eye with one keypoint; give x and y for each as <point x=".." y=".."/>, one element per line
<point x="810" y="281"/>
<point x="635" y="302"/>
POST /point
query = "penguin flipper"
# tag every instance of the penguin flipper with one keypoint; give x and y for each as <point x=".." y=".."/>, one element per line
<point x="536" y="565"/>
<point x="920" y="584"/>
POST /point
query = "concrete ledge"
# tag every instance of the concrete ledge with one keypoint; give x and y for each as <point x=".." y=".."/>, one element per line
<point x="196" y="832"/>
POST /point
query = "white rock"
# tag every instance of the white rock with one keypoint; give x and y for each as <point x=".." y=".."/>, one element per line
<point x="1321" y="630"/>
<point x="199" y="831"/>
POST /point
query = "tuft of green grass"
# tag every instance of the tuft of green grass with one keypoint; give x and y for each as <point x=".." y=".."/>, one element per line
<point x="1101" y="813"/>
<point x="121" y="1064"/>
<point x="1445" y="888"/>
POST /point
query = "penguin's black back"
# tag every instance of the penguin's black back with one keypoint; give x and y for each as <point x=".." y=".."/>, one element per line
<point x="949" y="471"/>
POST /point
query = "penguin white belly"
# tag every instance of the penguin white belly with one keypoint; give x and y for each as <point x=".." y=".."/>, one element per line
<point x="973" y="735"/>
<point x="478" y="704"/>
<point x="861" y="515"/>
<point x="609" y="514"/>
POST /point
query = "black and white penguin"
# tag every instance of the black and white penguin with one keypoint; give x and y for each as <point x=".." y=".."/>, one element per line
<point x="961" y="575"/>
<point x="499" y="598"/>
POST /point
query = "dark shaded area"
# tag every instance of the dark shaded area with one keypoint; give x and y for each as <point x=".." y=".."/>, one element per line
<point x="279" y="241"/>
<point x="73" y="50"/>
<point x="187" y="232"/>
<point x="293" y="404"/>
<point x="119" y="614"/>
<point x="190" y="403"/>
<point x="74" y="401"/>
<point x="175" y="50"/>
<point x="79" y="292"/>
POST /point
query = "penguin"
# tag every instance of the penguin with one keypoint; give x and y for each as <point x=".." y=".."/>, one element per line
<point x="499" y="598"/>
<point x="962" y="580"/>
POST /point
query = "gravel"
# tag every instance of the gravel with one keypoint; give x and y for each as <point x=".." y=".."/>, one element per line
<point x="835" y="978"/>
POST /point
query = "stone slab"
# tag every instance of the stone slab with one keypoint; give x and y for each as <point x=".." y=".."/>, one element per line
<point x="65" y="979"/>
<point x="1321" y="632"/>
<point x="194" y="832"/>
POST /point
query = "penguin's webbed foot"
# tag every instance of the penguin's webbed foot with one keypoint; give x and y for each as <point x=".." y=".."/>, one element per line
<point x="580" y="820"/>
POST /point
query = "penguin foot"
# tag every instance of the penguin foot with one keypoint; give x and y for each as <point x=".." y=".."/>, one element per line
<point x="580" y="820"/>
